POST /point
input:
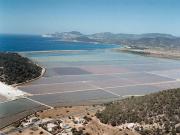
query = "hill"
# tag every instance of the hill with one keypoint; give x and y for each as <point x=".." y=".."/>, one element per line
<point x="147" y="40"/>
<point x="154" y="114"/>
<point x="17" y="69"/>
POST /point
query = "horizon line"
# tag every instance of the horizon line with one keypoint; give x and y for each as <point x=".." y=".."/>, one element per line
<point x="88" y="34"/>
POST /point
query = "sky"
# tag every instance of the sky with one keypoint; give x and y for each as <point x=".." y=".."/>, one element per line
<point x="90" y="16"/>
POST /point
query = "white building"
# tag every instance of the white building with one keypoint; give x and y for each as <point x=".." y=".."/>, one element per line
<point x="51" y="126"/>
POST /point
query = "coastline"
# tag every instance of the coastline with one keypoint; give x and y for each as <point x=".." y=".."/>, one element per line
<point x="11" y="92"/>
<point x="77" y="41"/>
<point x="168" y="54"/>
<point x="94" y="43"/>
<point x="28" y="81"/>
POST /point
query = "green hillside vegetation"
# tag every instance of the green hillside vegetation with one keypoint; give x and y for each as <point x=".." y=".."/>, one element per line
<point x="17" y="69"/>
<point x="162" y="108"/>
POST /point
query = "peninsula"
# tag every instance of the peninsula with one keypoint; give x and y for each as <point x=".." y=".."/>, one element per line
<point x="16" y="69"/>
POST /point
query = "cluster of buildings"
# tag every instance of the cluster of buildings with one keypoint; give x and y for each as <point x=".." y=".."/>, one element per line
<point x="55" y="126"/>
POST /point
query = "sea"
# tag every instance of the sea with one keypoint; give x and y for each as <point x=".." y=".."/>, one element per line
<point x="23" y="43"/>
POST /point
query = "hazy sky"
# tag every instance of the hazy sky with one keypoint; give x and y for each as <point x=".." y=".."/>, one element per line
<point x="90" y="16"/>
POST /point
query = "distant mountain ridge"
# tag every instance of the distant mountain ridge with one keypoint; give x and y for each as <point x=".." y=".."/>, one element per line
<point x="147" y="40"/>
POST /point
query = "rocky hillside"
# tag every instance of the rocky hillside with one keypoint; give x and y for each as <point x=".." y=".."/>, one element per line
<point x="17" y="69"/>
<point x="154" y="114"/>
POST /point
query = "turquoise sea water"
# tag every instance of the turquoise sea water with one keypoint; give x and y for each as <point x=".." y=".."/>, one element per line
<point x="19" y="43"/>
